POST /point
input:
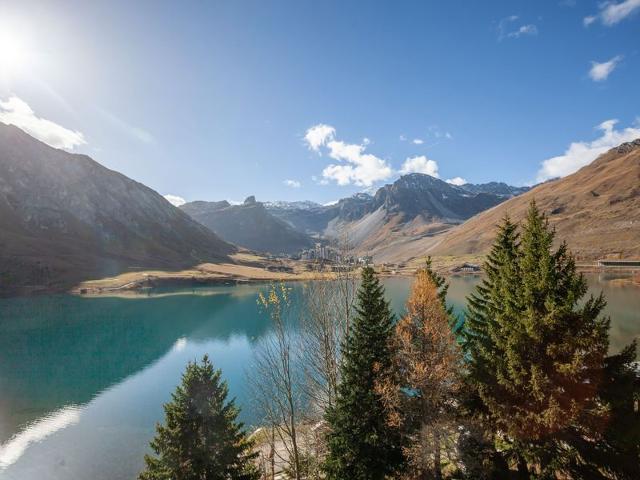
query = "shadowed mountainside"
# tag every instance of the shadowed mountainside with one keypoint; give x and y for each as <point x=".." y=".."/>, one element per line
<point x="66" y="218"/>
<point x="249" y="225"/>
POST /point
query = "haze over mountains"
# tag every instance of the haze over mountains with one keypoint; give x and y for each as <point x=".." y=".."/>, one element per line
<point x="249" y="225"/>
<point x="64" y="217"/>
<point x="414" y="206"/>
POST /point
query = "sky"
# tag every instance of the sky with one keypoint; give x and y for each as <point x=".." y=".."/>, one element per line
<point x="318" y="100"/>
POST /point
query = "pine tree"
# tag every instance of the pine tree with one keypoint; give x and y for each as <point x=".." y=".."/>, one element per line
<point x="609" y="448"/>
<point x="496" y="295"/>
<point x="201" y="438"/>
<point x="443" y="288"/>
<point x="553" y="351"/>
<point x="361" y="443"/>
<point x="537" y="356"/>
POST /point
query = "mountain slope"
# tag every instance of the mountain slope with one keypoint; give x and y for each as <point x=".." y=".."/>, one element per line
<point x="395" y="223"/>
<point x="65" y="218"/>
<point x="596" y="210"/>
<point x="249" y="225"/>
<point x="496" y="188"/>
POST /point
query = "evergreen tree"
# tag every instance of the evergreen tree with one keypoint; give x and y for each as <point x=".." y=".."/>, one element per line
<point x="552" y="351"/>
<point x="443" y="288"/>
<point x="537" y="357"/>
<point x="201" y="438"/>
<point x="440" y="283"/>
<point x="495" y="297"/>
<point x="362" y="445"/>
<point x="609" y="448"/>
<point x="496" y="293"/>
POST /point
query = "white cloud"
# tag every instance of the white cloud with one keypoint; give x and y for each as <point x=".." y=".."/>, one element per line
<point x="363" y="168"/>
<point x="611" y="13"/>
<point x="420" y="164"/>
<point x="175" y="200"/>
<point x="579" y="154"/>
<point x="506" y="29"/>
<point x="457" y="181"/>
<point x="292" y="183"/>
<point x="403" y="138"/>
<point x="359" y="167"/>
<point x="601" y="71"/>
<point x="529" y="29"/>
<point x="418" y="141"/>
<point x="319" y="135"/>
<point x="16" y="111"/>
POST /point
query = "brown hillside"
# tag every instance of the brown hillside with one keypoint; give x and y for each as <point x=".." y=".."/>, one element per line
<point x="596" y="210"/>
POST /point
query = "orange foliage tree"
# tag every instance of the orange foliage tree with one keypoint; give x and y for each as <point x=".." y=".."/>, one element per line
<point x="420" y="397"/>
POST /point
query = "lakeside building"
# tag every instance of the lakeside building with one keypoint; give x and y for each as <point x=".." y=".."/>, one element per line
<point x="618" y="263"/>
<point x="467" y="268"/>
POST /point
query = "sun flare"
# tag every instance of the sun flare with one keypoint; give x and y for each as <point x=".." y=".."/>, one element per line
<point x="13" y="52"/>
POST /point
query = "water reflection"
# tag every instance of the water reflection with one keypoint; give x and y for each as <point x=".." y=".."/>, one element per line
<point x="120" y="358"/>
<point x="34" y="432"/>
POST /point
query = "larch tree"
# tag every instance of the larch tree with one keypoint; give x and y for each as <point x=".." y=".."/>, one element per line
<point x="201" y="438"/>
<point x="362" y="445"/>
<point x="421" y="395"/>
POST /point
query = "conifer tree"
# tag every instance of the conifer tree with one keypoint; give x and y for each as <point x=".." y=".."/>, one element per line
<point x="201" y="438"/>
<point x="443" y="288"/>
<point x="497" y="290"/>
<point x="421" y="395"/>
<point x="496" y="294"/>
<point x="361" y="443"/>
<point x="439" y="281"/>
<point x="537" y="355"/>
<point x="552" y="351"/>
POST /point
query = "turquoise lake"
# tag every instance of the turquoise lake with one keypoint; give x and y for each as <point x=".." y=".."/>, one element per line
<point x="83" y="380"/>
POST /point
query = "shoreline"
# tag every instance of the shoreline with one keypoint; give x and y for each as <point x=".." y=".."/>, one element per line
<point x="252" y="269"/>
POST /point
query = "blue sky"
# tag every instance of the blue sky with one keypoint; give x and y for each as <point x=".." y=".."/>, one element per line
<point x="213" y="100"/>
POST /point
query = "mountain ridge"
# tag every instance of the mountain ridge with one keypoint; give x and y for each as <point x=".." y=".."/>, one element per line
<point x="65" y="218"/>
<point x="596" y="210"/>
<point x="249" y="225"/>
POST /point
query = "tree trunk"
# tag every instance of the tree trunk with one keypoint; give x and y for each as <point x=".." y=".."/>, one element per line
<point x="272" y="453"/>
<point x="294" y="445"/>
<point x="437" y="463"/>
<point x="523" y="470"/>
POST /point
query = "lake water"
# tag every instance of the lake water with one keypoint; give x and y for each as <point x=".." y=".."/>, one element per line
<point x="83" y="380"/>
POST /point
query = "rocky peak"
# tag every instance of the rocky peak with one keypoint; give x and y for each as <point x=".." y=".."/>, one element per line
<point x="250" y="200"/>
<point x="628" y="146"/>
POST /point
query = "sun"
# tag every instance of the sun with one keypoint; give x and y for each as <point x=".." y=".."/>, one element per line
<point x="13" y="52"/>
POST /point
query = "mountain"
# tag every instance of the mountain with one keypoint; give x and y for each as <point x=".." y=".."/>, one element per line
<point x="297" y="205"/>
<point x="393" y="224"/>
<point x="495" y="188"/>
<point x="596" y="210"/>
<point x="396" y="222"/>
<point x="66" y="218"/>
<point x="249" y="225"/>
<point x="422" y="195"/>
